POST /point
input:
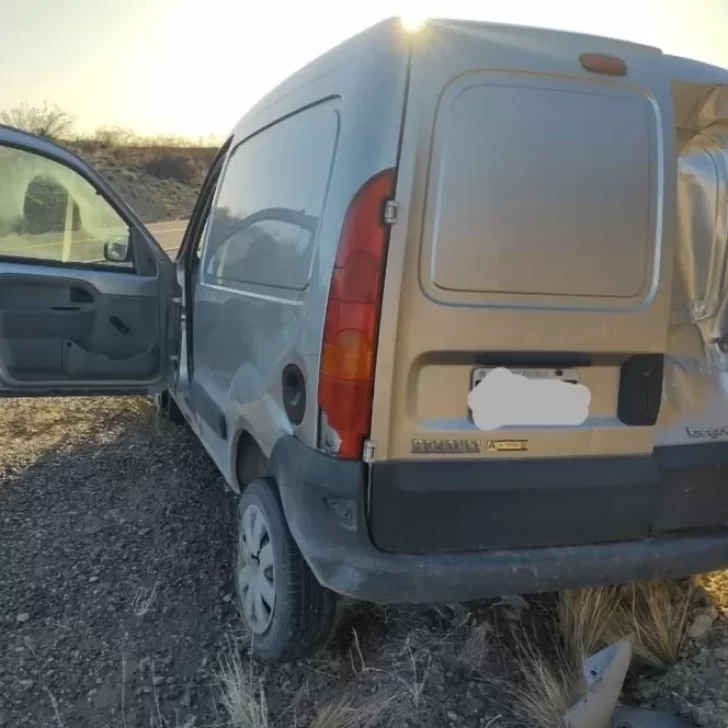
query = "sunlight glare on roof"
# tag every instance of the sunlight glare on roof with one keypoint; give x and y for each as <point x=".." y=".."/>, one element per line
<point x="412" y="22"/>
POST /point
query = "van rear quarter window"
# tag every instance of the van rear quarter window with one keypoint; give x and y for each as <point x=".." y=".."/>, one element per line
<point x="266" y="217"/>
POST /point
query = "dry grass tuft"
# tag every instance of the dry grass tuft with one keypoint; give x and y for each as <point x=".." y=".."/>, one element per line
<point x="345" y="715"/>
<point x="338" y="715"/>
<point x="241" y="695"/>
<point x="654" y="615"/>
<point x="144" y="599"/>
<point x="586" y="619"/>
<point x="547" y="687"/>
<point x="244" y="700"/>
<point x="476" y="645"/>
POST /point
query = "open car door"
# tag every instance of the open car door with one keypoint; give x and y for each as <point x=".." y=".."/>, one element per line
<point x="88" y="299"/>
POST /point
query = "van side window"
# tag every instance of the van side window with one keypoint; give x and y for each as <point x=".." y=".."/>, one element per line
<point x="266" y="217"/>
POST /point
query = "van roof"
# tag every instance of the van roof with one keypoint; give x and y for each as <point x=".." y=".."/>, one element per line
<point x="332" y="60"/>
<point x="382" y="34"/>
<point x="690" y="71"/>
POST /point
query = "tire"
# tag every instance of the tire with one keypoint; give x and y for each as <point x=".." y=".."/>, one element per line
<point x="301" y="618"/>
<point x="168" y="409"/>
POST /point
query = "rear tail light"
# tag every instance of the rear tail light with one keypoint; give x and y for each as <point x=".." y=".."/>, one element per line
<point x="346" y="377"/>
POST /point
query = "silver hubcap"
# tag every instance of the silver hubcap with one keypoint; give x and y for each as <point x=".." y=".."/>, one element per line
<point x="256" y="570"/>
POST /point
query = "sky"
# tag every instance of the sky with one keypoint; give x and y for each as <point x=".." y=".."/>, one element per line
<point x="193" y="67"/>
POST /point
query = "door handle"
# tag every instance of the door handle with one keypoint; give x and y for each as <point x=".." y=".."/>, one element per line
<point x="79" y="295"/>
<point x="119" y="325"/>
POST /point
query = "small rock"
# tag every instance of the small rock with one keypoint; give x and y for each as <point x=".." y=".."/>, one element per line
<point x="721" y="653"/>
<point x="702" y="596"/>
<point x="709" y="611"/>
<point x="703" y="714"/>
<point x="27" y="684"/>
<point x="648" y="691"/>
<point x="453" y="716"/>
<point x="22" y="618"/>
<point x="700" y="627"/>
<point x="93" y="579"/>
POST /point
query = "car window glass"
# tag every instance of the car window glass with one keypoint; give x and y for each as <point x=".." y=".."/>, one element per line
<point x="272" y="242"/>
<point x="271" y="198"/>
<point x="200" y="242"/>
<point x="48" y="212"/>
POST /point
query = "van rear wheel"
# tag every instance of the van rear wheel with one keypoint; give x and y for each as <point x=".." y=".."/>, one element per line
<point x="286" y="612"/>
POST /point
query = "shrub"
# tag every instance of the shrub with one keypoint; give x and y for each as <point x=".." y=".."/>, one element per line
<point x="172" y="166"/>
<point x="47" y="120"/>
<point x="114" y="136"/>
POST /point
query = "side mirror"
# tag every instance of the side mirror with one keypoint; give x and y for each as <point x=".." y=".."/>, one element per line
<point x="118" y="251"/>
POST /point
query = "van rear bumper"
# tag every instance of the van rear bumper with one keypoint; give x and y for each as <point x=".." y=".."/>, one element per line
<point x="324" y="503"/>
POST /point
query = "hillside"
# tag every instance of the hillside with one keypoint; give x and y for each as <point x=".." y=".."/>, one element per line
<point x="159" y="182"/>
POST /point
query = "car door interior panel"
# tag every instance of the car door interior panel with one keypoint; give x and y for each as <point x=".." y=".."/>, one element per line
<point x="60" y="328"/>
<point x="86" y="293"/>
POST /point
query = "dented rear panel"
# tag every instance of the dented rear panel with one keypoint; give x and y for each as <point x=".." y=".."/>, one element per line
<point x="695" y="396"/>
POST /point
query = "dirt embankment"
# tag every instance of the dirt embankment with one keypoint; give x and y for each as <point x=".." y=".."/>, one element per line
<point x="160" y="183"/>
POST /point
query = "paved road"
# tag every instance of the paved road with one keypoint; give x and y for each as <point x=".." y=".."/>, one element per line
<point x="169" y="234"/>
<point x="82" y="246"/>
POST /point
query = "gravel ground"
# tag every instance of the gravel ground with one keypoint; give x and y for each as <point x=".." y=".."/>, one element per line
<point x="696" y="687"/>
<point x="116" y="605"/>
<point x="115" y="592"/>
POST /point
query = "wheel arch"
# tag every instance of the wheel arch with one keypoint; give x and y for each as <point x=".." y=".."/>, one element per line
<point x="250" y="461"/>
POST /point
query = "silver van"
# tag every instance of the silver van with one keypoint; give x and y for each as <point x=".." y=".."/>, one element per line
<point x="404" y="218"/>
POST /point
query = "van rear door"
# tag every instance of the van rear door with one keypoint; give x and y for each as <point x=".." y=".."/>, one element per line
<point x="536" y="233"/>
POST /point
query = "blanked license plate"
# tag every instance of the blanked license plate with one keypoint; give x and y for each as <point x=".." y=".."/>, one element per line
<point x="563" y="375"/>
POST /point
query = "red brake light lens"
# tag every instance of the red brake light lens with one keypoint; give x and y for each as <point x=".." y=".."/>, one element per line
<point x="346" y="378"/>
